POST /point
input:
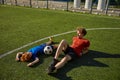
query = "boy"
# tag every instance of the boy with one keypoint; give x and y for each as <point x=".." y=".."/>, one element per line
<point x="79" y="47"/>
<point x="32" y="54"/>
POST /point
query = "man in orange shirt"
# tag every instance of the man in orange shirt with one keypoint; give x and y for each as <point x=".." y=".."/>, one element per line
<point x="79" y="46"/>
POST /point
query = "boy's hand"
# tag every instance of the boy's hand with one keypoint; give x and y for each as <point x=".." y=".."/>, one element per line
<point x="17" y="59"/>
<point x="85" y="50"/>
<point x="29" y="65"/>
<point x="19" y="54"/>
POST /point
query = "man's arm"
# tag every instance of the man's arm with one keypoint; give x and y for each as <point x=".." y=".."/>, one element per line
<point x="34" y="62"/>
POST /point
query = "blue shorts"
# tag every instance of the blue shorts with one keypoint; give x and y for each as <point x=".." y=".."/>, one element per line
<point x="69" y="51"/>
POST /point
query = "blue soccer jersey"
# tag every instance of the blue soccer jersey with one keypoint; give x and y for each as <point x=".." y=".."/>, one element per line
<point x="37" y="49"/>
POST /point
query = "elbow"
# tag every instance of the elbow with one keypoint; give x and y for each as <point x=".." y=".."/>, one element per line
<point x="37" y="60"/>
<point x="85" y="51"/>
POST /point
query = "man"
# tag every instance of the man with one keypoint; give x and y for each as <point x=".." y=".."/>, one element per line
<point x="79" y="47"/>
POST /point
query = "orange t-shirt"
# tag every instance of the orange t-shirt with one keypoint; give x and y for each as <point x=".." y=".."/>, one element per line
<point x="79" y="44"/>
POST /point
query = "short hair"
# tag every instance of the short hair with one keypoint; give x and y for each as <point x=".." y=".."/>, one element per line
<point x="83" y="30"/>
<point x="25" y="57"/>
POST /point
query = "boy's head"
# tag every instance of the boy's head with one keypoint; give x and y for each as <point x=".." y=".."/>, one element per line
<point x="25" y="57"/>
<point x="81" y="30"/>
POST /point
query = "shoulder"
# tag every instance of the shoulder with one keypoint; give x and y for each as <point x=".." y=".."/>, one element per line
<point x="75" y="37"/>
<point x="44" y="44"/>
<point x="86" y="40"/>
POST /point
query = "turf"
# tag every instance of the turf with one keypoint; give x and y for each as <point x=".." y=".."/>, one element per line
<point x="21" y="25"/>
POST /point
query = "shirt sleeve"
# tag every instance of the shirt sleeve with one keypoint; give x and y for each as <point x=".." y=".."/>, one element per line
<point x="87" y="43"/>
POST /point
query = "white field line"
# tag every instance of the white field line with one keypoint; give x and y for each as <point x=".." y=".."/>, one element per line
<point x="14" y="50"/>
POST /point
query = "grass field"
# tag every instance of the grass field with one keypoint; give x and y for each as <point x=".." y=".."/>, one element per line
<point x="20" y="26"/>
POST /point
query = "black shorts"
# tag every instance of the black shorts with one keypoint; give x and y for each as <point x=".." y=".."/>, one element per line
<point x="69" y="51"/>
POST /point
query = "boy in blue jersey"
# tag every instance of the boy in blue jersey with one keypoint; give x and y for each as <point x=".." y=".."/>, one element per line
<point x="32" y="54"/>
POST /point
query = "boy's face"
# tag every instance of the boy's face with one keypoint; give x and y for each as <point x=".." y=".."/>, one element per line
<point x="79" y="33"/>
<point x="26" y="56"/>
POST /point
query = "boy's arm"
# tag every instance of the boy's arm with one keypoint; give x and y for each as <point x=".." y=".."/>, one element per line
<point x="85" y="50"/>
<point x="34" y="62"/>
<point x="18" y="56"/>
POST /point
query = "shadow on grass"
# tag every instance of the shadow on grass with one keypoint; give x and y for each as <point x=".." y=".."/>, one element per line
<point x="42" y="58"/>
<point x="85" y="60"/>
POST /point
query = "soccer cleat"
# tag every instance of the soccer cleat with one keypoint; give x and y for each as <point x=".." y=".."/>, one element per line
<point x="51" y="68"/>
<point x="54" y="62"/>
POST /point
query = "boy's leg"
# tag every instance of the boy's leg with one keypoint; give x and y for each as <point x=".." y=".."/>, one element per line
<point x="50" y="42"/>
<point x="63" y="62"/>
<point x="62" y="46"/>
<point x="59" y="64"/>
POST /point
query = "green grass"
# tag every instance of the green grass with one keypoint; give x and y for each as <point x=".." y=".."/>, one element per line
<point x="20" y="26"/>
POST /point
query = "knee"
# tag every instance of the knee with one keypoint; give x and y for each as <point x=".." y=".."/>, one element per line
<point x="64" y="42"/>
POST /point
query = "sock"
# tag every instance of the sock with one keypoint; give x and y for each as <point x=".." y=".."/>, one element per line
<point x="53" y="68"/>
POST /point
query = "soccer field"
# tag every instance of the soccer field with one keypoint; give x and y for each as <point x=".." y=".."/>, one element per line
<point x="22" y="28"/>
